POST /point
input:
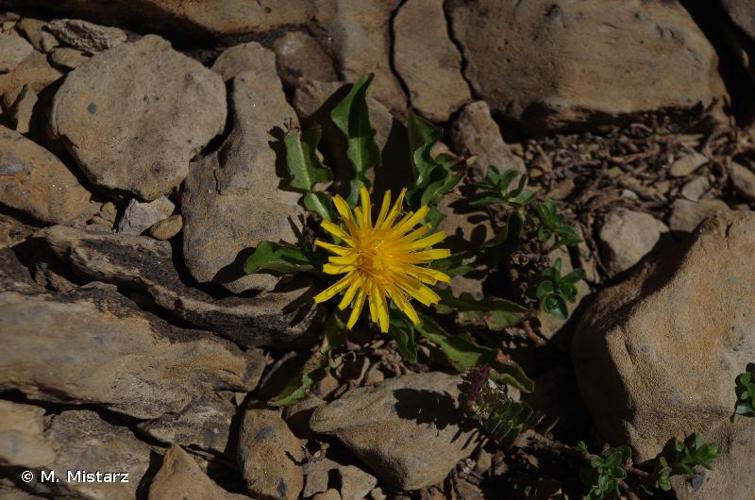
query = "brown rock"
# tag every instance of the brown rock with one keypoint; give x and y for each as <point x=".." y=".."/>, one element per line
<point x="656" y="356"/>
<point x="742" y="12"/>
<point x="13" y="50"/>
<point x="145" y="265"/>
<point x="32" y="30"/>
<point x="139" y="216"/>
<point x="22" y="436"/>
<point x="626" y="237"/>
<point x="382" y="425"/>
<point x="300" y="56"/>
<point x="475" y="133"/>
<point x="181" y="477"/>
<point x="686" y="215"/>
<point x="68" y="58"/>
<point x="34" y="71"/>
<point x="687" y="164"/>
<point x="743" y="180"/>
<point x="269" y="456"/>
<point x="427" y="60"/>
<point x="551" y="65"/>
<point x="167" y="228"/>
<point x="152" y="109"/>
<point x="241" y="179"/>
<point x="35" y="182"/>
<point x="91" y="345"/>
<point x="22" y="110"/>
<point x="358" y="35"/>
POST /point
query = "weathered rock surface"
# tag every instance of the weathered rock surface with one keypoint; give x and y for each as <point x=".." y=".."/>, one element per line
<point x="300" y="56"/>
<point x="656" y="356"/>
<point x="91" y="345"/>
<point x="743" y="180"/>
<point x="427" y="60"/>
<point x="75" y="441"/>
<point x="21" y="111"/>
<point x="223" y="18"/>
<point x="686" y="215"/>
<point x="34" y="71"/>
<point x="687" y="164"/>
<point x="134" y="116"/>
<point x="269" y="456"/>
<point x="35" y="182"/>
<point x="223" y="189"/>
<point x="358" y="35"/>
<point x="742" y="12"/>
<point x="13" y="50"/>
<point x="140" y="216"/>
<point x="68" y="58"/>
<point x="552" y="65"/>
<point x="384" y="425"/>
<point x="33" y="30"/>
<point x="355" y="483"/>
<point x="85" y="36"/>
<point x="145" y="265"/>
<point x="167" y="228"/>
<point x="475" y="133"/>
<point x="181" y="477"/>
<point x="626" y="237"/>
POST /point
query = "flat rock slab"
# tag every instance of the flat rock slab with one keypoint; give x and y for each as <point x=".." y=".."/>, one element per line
<point x="93" y="346"/>
<point x="146" y="265"/>
<point x="71" y="441"/>
<point x="13" y="50"/>
<point x="134" y="116"/>
<point x="405" y="429"/>
<point x="85" y="36"/>
<point x="35" y="182"/>
<point x="559" y="64"/>
<point x="656" y="356"/>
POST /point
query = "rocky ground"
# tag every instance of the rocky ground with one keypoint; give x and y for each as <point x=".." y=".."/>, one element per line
<point x="138" y="152"/>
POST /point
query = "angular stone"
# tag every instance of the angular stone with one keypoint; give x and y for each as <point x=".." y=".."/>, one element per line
<point x="35" y="182"/>
<point x="475" y="133"/>
<point x="355" y="483"/>
<point x="167" y="228"/>
<point x="231" y="201"/>
<point x="626" y="237"/>
<point x="686" y="215"/>
<point x="743" y="180"/>
<point x="686" y="165"/>
<point x="152" y="109"/>
<point x="695" y="188"/>
<point x="33" y="30"/>
<point x="68" y="58"/>
<point x="22" y="110"/>
<point x="13" y="50"/>
<point x="181" y="477"/>
<point x="75" y="441"/>
<point x="656" y="356"/>
<point x="269" y="456"/>
<point x="552" y="65"/>
<point x="300" y="56"/>
<point x="34" y="71"/>
<point x="427" y="60"/>
<point x="140" y="216"/>
<point x="93" y="346"/>
<point x="85" y="36"/>
<point x="384" y="423"/>
<point x="359" y="36"/>
<point x="145" y="265"/>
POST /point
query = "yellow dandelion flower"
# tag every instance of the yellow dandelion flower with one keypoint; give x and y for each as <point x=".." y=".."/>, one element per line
<point x="383" y="260"/>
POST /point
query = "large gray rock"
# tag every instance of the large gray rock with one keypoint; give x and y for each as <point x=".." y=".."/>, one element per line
<point x="555" y="64"/>
<point x="475" y="133"/>
<point x="358" y="34"/>
<point x="35" y="182"/>
<point x="269" y="456"/>
<point x="145" y="265"/>
<point x="71" y="441"/>
<point x="92" y="346"/>
<point x="427" y="60"/>
<point x="13" y="50"/>
<point x="140" y="216"/>
<point x="300" y="56"/>
<point x="85" y="36"/>
<point x="405" y="429"/>
<point x="656" y="356"/>
<point x="134" y="116"/>
<point x="231" y="201"/>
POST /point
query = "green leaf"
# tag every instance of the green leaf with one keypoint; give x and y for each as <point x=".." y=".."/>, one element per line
<point x="298" y="386"/>
<point x="303" y="165"/>
<point x="463" y="353"/>
<point x="402" y="332"/>
<point x="456" y="265"/>
<point x="280" y="257"/>
<point x="319" y="203"/>
<point x="491" y="312"/>
<point x="351" y="116"/>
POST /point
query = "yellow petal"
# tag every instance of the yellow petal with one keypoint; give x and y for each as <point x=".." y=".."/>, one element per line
<point x="395" y="210"/>
<point x="330" y="247"/>
<point x="357" y="310"/>
<point x="431" y="254"/>
<point x="352" y="290"/>
<point x="335" y="230"/>
<point x="428" y="241"/>
<point x="364" y="196"/>
<point x="342" y="207"/>
<point x="405" y="307"/>
<point x="411" y="220"/>
<point x="332" y="290"/>
<point x="336" y="268"/>
<point x="384" y="208"/>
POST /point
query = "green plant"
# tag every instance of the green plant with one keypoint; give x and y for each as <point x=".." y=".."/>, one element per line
<point x="496" y="188"/>
<point x="555" y="291"/>
<point x="606" y="472"/>
<point x="553" y="226"/>
<point x="745" y="404"/>
<point x="501" y="418"/>
<point x="681" y="458"/>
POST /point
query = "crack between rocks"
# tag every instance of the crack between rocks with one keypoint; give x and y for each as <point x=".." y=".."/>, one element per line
<point x="392" y="53"/>
<point x="459" y="47"/>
